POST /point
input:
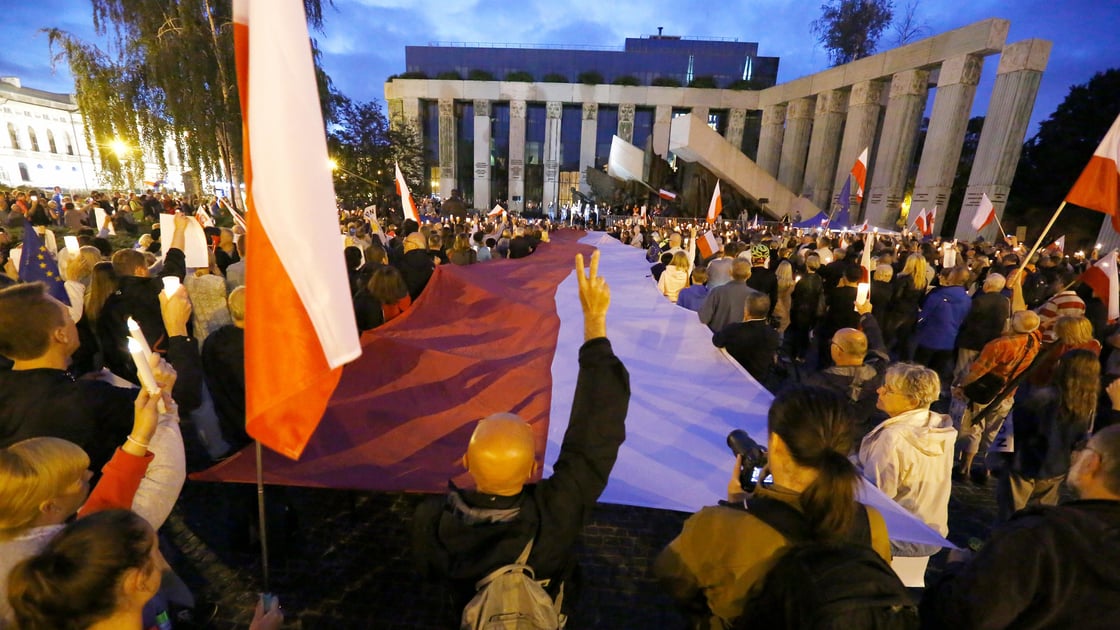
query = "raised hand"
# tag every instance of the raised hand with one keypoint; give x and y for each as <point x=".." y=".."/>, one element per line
<point x="594" y="297"/>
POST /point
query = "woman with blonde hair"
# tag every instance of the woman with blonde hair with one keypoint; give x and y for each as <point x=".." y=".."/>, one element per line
<point x="907" y="290"/>
<point x="786" y="282"/>
<point x="1073" y="332"/>
<point x="78" y="274"/>
<point x="1047" y="425"/>
<point x="675" y="277"/>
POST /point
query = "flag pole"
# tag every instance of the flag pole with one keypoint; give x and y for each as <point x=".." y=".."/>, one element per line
<point x="261" y="520"/>
<point x="1038" y="243"/>
<point x="1003" y="232"/>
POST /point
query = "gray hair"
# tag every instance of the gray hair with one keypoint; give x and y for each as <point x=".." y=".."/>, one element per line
<point x="916" y="381"/>
<point x="994" y="283"/>
<point x="883" y="273"/>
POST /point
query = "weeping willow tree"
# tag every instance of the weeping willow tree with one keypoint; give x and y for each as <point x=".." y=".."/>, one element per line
<point x="165" y="75"/>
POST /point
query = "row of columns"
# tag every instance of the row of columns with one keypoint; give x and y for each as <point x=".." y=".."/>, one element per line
<point x="589" y="128"/>
<point x="809" y="144"/>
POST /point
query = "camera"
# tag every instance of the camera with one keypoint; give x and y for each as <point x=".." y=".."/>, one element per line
<point x="754" y="458"/>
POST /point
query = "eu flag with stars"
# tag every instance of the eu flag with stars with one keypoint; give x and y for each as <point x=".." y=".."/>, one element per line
<point x="37" y="264"/>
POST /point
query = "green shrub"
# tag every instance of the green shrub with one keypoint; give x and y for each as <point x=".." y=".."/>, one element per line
<point x="480" y="75"/>
<point x="449" y="75"/>
<point x="555" y="77"/>
<point x="590" y="77"/>
<point x="627" y="80"/>
<point x="665" y="82"/>
<point x="415" y="74"/>
<point x="703" y="82"/>
<point x="520" y="76"/>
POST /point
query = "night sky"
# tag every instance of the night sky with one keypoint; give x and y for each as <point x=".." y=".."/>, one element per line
<point x="363" y="40"/>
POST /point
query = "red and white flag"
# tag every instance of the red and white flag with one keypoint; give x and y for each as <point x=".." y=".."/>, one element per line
<point x="1101" y="278"/>
<point x="406" y="196"/>
<point x="665" y="194"/>
<point x="1098" y="188"/>
<point x="715" y="208"/>
<point x="708" y="245"/>
<point x="498" y="209"/>
<point x="859" y="172"/>
<point x="237" y="218"/>
<point x="922" y="223"/>
<point x="1059" y="244"/>
<point x="865" y="261"/>
<point x="299" y="327"/>
<point x="866" y="226"/>
<point x="985" y="214"/>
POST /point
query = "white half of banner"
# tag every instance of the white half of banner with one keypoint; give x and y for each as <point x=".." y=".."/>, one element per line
<point x="686" y="396"/>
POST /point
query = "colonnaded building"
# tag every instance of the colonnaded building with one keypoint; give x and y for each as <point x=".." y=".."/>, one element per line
<point x="524" y="124"/>
<point x="43" y="144"/>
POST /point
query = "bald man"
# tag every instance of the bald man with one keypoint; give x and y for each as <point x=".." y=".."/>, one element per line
<point x="859" y="360"/>
<point x="466" y="535"/>
<point x="1049" y="567"/>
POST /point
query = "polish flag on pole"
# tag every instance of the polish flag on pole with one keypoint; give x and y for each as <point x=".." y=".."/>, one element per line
<point x="921" y="222"/>
<point x="1059" y="244"/>
<point x="299" y="327"/>
<point x="715" y="208"/>
<point x="1101" y="278"/>
<point x="863" y="289"/>
<point x="708" y="245"/>
<point x="1098" y="188"/>
<point x="498" y="209"/>
<point x="665" y="194"/>
<point x="985" y="214"/>
<point x="406" y="196"/>
<point x="859" y="172"/>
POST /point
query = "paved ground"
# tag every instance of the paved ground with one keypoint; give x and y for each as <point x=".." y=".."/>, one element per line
<point x="343" y="560"/>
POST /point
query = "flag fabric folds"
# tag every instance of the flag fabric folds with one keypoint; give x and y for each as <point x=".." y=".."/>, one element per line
<point x="859" y="172"/>
<point x="407" y="203"/>
<point x="1102" y="279"/>
<point x="498" y="209"/>
<point x="37" y="264"/>
<point x="1058" y="244"/>
<point x="924" y="221"/>
<point x="985" y="214"/>
<point x="843" y="218"/>
<point x="665" y="194"/>
<point x="708" y="245"/>
<point x="300" y="327"/>
<point x="1098" y="188"/>
<point x="715" y="208"/>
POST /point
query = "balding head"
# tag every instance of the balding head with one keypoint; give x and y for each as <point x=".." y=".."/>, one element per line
<point x="501" y="456"/>
<point x="1095" y="470"/>
<point x="674" y="240"/>
<point x="849" y="347"/>
<point x="740" y="270"/>
<point x="1024" y="321"/>
<point x="416" y="240"/>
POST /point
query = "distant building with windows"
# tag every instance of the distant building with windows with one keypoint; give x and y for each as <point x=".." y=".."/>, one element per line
<point x="522" y="123"/>
<point x="42" y="144"/>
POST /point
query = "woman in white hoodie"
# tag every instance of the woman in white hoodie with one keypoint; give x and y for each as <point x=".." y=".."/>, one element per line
<point x="675" y="277"/>
<point x="909" y="456"/>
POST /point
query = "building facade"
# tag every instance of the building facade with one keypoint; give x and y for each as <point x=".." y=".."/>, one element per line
<point x="794" y="141"/>
<point x="42" y="144"/>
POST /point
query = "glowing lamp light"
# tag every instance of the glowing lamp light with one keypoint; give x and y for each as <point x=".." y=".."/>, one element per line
<point x="119" y="147"/>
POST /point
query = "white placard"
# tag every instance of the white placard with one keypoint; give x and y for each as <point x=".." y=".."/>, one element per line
<point x="194" y="241"/>
<point x="15" y="254"/>
<point x="1005" y="439"/>
<point x="99" y="216"/>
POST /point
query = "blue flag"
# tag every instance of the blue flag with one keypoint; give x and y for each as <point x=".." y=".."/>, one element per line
<point x="37" y="264"/>
<point x="844" y="218"/>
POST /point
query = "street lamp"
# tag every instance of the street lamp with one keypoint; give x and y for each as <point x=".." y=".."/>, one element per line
<point x="119" y="147"/>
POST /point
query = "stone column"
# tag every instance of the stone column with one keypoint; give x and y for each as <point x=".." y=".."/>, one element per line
<point x="626" y="121"/>
<point x="898" y="140"/>
<point x="482" y="154"/>
<point x="795" y="144"/>
<point x="701" y="113"/>
<point x="516" y="154"/>
<point x="824" y="144"/>
<point x="736" y="122"/>
<point x="662" y="123"/>
<point x="588" y="133"/>
<point x="956" y="85"/>
<point x="770" y="138"/>
<point x="864" y="104"/>
<point x="553" y="111"/>
<point x="1001" y="140"/>
<point x="447" y="181"/>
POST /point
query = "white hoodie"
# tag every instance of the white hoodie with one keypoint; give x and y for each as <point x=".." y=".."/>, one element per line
<point x="910" y="458"/>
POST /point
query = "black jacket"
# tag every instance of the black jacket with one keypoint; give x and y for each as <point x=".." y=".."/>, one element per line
<point x="806" y="300"/>
<point x="464" y="536"/>
<point x="1050" y="567"/>
<point x="753" y="344"/>
<point x="416" y="267"/>
<point x="51" y="403"/>
<point x="223" y="361"/>
<point x="860" y="384"/>
<point x="985" y="320"/>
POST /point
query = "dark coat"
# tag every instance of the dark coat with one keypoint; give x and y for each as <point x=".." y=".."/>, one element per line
<point x="416" y="268"/>
<point x="753" y="344"/>
<point x="985" y="320"/>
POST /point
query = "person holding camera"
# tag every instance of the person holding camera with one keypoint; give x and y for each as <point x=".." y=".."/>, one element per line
<point x="723" y="551"/>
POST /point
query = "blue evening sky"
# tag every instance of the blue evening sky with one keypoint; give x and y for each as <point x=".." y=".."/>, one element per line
<point x="363" y="40"/>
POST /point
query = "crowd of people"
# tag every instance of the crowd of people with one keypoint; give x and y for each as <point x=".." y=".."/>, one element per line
<point x="907" y="389"/>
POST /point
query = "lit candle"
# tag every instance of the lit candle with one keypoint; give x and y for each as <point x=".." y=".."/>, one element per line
<point x="138" y="335"/>
<point x="170" y="286"/>
<point x="143" y="369"/>
<point x="863" y="289"/>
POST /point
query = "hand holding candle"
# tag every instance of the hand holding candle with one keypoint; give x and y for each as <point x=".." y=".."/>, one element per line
<point x="170" y="285"/>
<point x="137" y="335"/>
<point x="143" y="369"/>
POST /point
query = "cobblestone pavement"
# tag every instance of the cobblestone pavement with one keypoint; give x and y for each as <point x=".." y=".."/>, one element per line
<point x="340" y="559"/>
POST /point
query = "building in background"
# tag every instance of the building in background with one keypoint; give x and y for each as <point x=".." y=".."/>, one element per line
<point x="42" y="144"/>
<point x="523" y="123"/>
